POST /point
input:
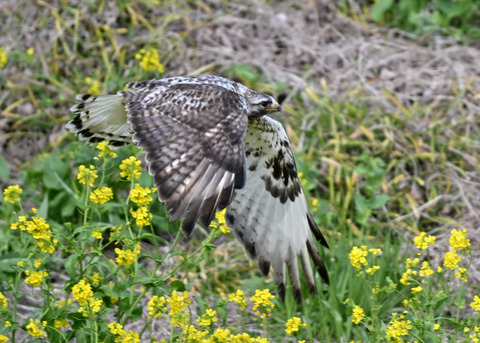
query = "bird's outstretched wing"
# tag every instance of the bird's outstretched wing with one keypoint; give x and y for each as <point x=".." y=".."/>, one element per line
<point x="270" y="215"/>
<point x="193" y="139"/>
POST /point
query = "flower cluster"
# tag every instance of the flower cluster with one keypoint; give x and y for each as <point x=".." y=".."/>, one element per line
<point x="142" y="216"/>
<point x="12" y="193"/>
<point x="131" y="168"/>
<point x="3" y="58"/>
<point x="3" y="301"/>
<point x="126" y="257"/>
<point x="357" y="314"/>
<point x="117" y="330"/>
<point x="220" y="222"/>
<point x="105" y="150"/>
<point x="150" y="60"/>
<point x="238" y="297"/>
<point x="141" y="195"/>
<point x="40" y="231"/>
<point x="82" y="293"/>
<point x="208" y="318"/>
<point x="293" y="325"/>
<point x="94" y="85"/>
<point x="35" y="278"/>
<point x="87" y="175"/>
<point x="423" y="241"/>
<point x="398" y="328"/>
<point x="358" y="258"/>
<point x="35" y="328"/>
<point x="101" y="196"/>
<point x="262" y="303"/>
<point x="156" y="306"/>
<point x="176" y="308"/>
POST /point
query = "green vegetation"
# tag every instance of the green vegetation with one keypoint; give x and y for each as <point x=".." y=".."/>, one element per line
<point x="456" y="18"/>
<point x="95" y="249"/>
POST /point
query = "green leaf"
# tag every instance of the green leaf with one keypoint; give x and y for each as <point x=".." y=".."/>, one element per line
<point x="379" y="9"/>
<point x="378" y="200"/>
<point x="4" y="170"/>
<point x="178" y="285"/>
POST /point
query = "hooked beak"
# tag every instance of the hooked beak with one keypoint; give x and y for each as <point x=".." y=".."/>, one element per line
<point x="275" y="108"/>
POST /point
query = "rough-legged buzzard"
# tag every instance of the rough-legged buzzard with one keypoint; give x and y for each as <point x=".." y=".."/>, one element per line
<point x="209" y="145"/>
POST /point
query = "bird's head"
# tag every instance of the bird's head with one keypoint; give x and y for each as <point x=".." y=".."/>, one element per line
<point x="260" y="104"/>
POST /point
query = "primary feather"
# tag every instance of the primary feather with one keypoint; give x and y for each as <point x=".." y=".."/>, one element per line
<point x="209" y="145"/>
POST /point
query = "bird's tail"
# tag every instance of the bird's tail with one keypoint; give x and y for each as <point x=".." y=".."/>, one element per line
<point x="99" y="118"/>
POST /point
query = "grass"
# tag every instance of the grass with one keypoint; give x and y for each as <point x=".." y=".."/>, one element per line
<point x="373" y="178"/>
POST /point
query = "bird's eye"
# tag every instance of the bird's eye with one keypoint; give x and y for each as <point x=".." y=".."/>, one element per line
<point x="266" y="103"/>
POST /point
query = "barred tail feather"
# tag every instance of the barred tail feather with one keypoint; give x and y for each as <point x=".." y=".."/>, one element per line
<point x="99" y="118"/>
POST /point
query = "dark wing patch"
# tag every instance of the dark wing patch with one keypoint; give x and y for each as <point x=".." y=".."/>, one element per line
<point x="193" y="139"/>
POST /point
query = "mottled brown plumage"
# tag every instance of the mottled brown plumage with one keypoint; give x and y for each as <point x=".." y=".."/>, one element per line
<point x="208" y="146"/>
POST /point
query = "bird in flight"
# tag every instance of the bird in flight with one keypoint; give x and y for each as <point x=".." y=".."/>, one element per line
<point x="210" y="145"/>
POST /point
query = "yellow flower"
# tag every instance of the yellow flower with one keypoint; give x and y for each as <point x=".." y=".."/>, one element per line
<point x="436" y="327"/>
<point x="82" y="292"/>
<point x="423" y="241"/>
<point x="140" y="195"/>
<point x="142" y="216"/>
<point x="12" y="193"/>
<point x="220" y="335"/>
<point x="97" y="234"/>
<point x="462" y="274"/>
<point x="150" y="60"/>
<point x="398" y="327"/>
<point x="95" y="279"/>
<point x="417" y="290"/>
<point x="59" y="323"/>
<point x="177" y="304"/>
<point x="63" y="303"/>
<point x="220" y="224"/>
<point x="372" y="270"/>
<point x="131" y="337"/>
<point x="8" y="323"/>
<point x="451" y="260"/>
<point x="126" y="257"/>
<point x="116" y="329"/>
<point x="476" y="303"/>
<point x="94" y="86"/>
<point x="3" y="58"/>
<point x="263" y="299"/>
<point x="191" y="334"/>
<point x="358" y="257"/>
<point x="35" y="328"/>
<point x="20" y="263"/>
<point x="35" y="278"/>
<point x="238" y="297"/>
<point x="357" y="314"/>
<point x="3" y="339"/>
<point x="101" y="196"/>
<point x="375" y="252"/>
<point x="208" y="318"/>
<point x="86" y="175"/>
<point x="293" y="325"/>
<point x="30" y="51"/>
<point x="105" y="150"/>
<point x="130" y="167"/>
<point x="156" y="306"/>
<point x="3" y="301"/>
<point x="38" y="228"/>
<point x="37" y="262"/>
<point x="426" y="270"/>
<point x="459" y="239"/>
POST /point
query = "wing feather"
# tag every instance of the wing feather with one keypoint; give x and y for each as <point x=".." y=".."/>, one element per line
<point x="270" y="215"/>
<point x="192" y="135"/>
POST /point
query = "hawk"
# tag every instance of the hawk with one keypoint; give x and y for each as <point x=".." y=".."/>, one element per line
<point x="210" y="145"/>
